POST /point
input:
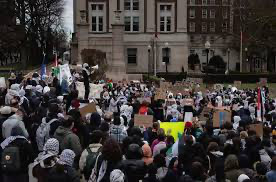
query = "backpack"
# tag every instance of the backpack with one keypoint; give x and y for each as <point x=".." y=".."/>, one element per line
<point x="43" y="133"/>
<point x="90" y="162"/>
<point x="10" y="159"/>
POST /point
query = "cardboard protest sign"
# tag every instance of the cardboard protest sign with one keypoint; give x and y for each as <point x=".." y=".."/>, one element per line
<point x="160" y="95"/>
<point x="204" y="115"/>
<point x="89" y="108"/>
<point x="146" y="99"/>
<point x="186" y="102"/>
<point x="143" y="120"/>
<point x="258" y="128"/>
<point x="174" y="129"/>
<point x="165" y="85"/>
<point x="237" y="84"/>
<point x="220" y="117"/>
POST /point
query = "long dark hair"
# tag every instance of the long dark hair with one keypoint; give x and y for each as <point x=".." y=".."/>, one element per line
<point x="111" y="151"/>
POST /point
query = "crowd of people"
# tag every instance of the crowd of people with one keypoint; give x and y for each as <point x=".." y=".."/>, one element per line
<point x="43" y="130"/>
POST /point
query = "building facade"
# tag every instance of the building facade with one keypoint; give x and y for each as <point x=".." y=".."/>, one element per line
<point x="153" y="35"/>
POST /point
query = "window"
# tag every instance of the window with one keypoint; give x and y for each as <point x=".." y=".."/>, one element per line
<point x="135" y="5"/>
<point x="212" y="27"/>
<point x="94" y="23"/>
<point x="135" y="27"/>
<point x="204" y="13"/>
<point x="192" y="38"/>
<point x="224" y="27"/>
<point x="212" y="39"/>
<point x="132" y="55"/>
<point x="94" y="6"/>
<point x="131" y="5"/>
<point x="192" y="26"/>
<point x="131" y="23"/>
<point x="203" y="53"/>
<point x="100" y="7"/>
<point x="127" y="4"/>
<point x="212" y="13"/>
<point x="192" y="13"/>
<point x="192" y="51"/>
<point x="204" y="27"/>
<point x="224" y="13"/>
<point x="192" y="2"/>
<point x="100" y="23"/>
<point x="224" y="2"/>
<point x="97" y="19"/>
<point x="212" y="2"/>
<point x="165" y="18"/>
<point x="131" y="15"/>
<point x="127" y="23"/>
<point x="166" y="54"/>
<point x="204" y="2"/>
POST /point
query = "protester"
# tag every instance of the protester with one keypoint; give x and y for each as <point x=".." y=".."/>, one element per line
<point x="210" y="145"/>
<point x="17" y="154"/>
<point x="66" y="138"/>
<point x="63" y="170"/>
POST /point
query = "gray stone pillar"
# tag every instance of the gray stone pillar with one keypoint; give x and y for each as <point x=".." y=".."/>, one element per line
<point x="117" y="69"/>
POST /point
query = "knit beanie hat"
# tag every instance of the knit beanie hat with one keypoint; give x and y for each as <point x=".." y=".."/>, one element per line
<point x="51" y="146"/>
<point x="67" y="157"/>
<point x="117" y="176"/>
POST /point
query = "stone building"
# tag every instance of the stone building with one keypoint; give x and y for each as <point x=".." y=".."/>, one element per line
<point x="141" y="36"/>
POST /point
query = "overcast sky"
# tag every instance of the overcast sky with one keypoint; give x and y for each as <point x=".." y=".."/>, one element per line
<point x="68" y="16"/>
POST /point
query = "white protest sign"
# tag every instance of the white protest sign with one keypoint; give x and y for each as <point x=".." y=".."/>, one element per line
<point x="3" y="82"/>
<point x="64" y="71"/>
<point x="95" y="90"/>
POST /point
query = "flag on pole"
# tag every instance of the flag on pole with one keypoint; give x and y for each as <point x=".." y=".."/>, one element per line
<point x="43" y="68"/>
<point x="56" y="60"/>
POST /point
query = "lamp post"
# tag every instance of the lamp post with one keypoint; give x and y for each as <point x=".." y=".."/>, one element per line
<point x="228" y="61"/>
<point x="149" y="62"/>
<point x="167" y="56"/>
<point x="207" y="49"/>
<point x="246" y="54"/>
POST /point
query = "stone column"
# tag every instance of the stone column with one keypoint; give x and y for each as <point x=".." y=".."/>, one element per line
<point x="83" y="36"/>
<point x="117" y="69"/>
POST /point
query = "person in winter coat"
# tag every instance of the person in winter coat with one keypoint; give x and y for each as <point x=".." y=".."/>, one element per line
<point x="261" y="170"/>
<point x="245" y="166"/>
<point x="46" y="160"/>
<point x="231" y="168"/>
<point x="5" y="113"/>
<point x="161" y="145"/>
<point x="67" y="139"/>
<point x="134" y="166"/>
<point x="11" y="122"/>
<point x="117" y="131"/>
<point x="26" y="155"/>
<point x="271" y="175"/>
<point x="94" y="148"/>
<point x="63" y="170"/>
<point x="109" y="160"/>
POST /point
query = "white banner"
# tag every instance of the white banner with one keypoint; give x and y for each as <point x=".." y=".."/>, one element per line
<point x="3" y="82"/>
<point x="95" y="90"/>
<point x="64" y="70"/>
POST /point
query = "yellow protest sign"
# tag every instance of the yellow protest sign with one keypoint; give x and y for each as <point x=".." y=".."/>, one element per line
<point x="174" y="129"/>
